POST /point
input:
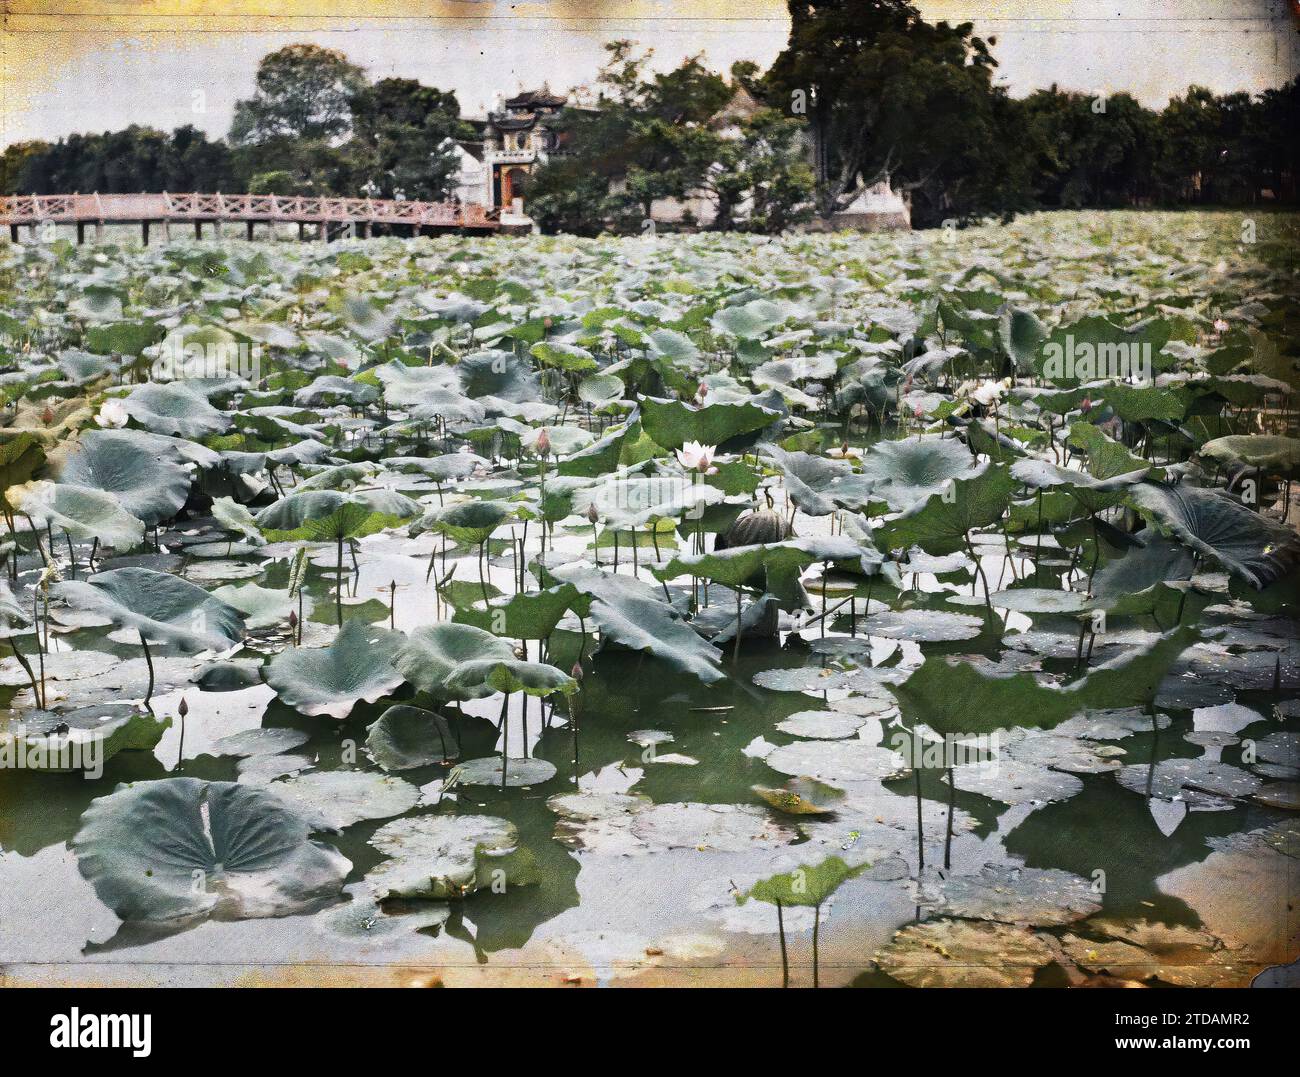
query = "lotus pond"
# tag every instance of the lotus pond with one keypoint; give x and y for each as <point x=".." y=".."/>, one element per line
<point x="888" y="610"/>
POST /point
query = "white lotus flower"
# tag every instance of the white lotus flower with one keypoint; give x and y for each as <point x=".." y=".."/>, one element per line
<point x="989" y="393"/>
<point x="112" y="414"/>
<point x="696" y="457"/>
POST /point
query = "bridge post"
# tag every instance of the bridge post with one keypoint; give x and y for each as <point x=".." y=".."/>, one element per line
<point x="302" y="231"/>
<point x="13" y="233"/>
<point x="144" y="233"/>
<point x="249" y="231"/>
<point x="216" y="227"/>
<point x="167" y="230"/>
<point x="363" y="229"/>
<point x="198" y="229"/>
<point x="99" y="231"/>
<point x="323" y="231"/>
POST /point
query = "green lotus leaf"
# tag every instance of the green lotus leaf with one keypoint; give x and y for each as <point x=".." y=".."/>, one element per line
<point x="150" y="487"/>
<point x="625" y="502"/>
<point x="525" y="616"/>
<point x="507" y="675"/>
<point x="469" y="523"/>
<point x="671" y="423"/>
<point x="956" y="697"/>
<point x="1271" y="453"/>
<point x="356" y="666"/>
<point x="56" y="740"/>
<point x="809" y="885"/>
<point x="431" y="654"/>
<point x="161" y="607"/>
<point x="632" y="614"/>
<point x="498" y="374"/>
<point x="321" y="515"/>
<point x="174" y="408"/>
<point x="233" y="516"/>
<point x="820" y="486"/>
<point x="183" y="849"/>
<point x="407" y="738"/>
<point x="906" y="472"/>
<point x="262" y="607"/>
<point x="85" y="514"/>
<point x="1214" y="525"/>
<point x="563" y="356"/>
<point x="941" y="523"/>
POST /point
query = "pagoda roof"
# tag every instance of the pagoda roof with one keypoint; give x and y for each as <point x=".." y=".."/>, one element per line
<point x="533" y="99"/>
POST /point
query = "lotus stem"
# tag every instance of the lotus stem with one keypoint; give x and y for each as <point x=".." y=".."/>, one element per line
<point x="505" y="736"/>
<point x="920" y="835"/>
<point x="785" y="957"/>
<point x="31" y="675"/>
<point x="817" y="923"/>
<point x="144" y="644"/>
<point x="736" y="655"/>
<point x="952" y="801"/>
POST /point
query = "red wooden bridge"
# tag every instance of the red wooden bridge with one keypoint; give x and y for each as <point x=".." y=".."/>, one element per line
<point x="332" y="217"/>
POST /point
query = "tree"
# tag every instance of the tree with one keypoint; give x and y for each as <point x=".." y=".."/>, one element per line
<point x="403" y="138"/>
<point x="303" y="92"/>
<point x="650" y="139"/>
<point x="890" y="96"/>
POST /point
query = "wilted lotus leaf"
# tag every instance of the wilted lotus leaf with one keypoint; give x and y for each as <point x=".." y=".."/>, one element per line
<point x="964" y="953"/>
<point x="1010" y="894"/>
<point x="802" y="796"/>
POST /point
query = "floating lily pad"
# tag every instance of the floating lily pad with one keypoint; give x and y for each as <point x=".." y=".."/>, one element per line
<point x="518" y="772"/>
<point x="334" y="799"/>
<point x="1034" y="897"/>
<point x="837" y="761"/>
<point x="182" y="849"/>
<point x="443" y="856"/>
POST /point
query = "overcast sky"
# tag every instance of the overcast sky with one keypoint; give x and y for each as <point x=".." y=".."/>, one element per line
<point x="94" y="65"/>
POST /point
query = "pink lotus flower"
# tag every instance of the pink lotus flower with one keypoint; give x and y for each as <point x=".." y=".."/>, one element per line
<point x="1085" y="405"/>
<point x="543" y="444"/>
<point x="696" y="457"/>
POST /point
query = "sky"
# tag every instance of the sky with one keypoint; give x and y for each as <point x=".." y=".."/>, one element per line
<point x="95" y="65"/>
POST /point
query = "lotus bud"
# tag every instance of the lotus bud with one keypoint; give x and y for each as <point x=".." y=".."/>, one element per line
<point x="293" y="619"/>
<point x="592" y="514"/>
<point x="917" y="413"/>
<point x="1085" y="405"/>
<point x="547" y="323"/>
<point x="184" y="708"/>
<point x="543" y="443"/>
<point x="47" y="416"/>
<point x="576" y="672"/>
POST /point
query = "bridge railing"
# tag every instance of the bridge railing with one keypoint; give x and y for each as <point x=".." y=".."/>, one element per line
<point x="168" y="206"/>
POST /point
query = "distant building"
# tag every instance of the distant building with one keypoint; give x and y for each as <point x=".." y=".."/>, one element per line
<point x="513" y="140"/>
<point x="517" y="137"/>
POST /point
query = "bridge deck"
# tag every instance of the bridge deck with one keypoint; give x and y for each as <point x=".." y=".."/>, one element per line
<point x="165" y="207"/>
